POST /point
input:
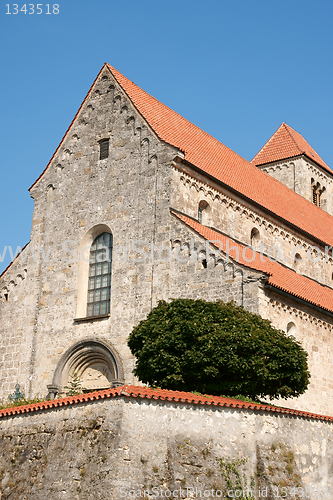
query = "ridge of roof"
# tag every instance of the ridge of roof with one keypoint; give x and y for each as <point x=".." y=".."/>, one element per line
<point x="287" y="143"/>
<point x="214" y="158"/>
<point x="158" y="394"/>
<point x="279" y="276"/>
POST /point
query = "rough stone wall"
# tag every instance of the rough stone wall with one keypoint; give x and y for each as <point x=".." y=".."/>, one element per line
<point x="200" y="271"/>
<point x="119" y="448"/>
<point x="129" y="193"/>
<point x="315" y="333"/>
<point x="17" y="324"/>
<point x="297" y="175"/>
<point x="237" y="219"/>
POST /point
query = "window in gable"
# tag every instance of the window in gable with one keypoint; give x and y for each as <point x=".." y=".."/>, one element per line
<point x="103" y="149"/>
<point x="99" y="286"/>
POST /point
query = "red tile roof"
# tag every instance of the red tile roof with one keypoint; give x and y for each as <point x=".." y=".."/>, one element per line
<point x="280" y="277"/>
<point x="214" y="158"/>
<point x="161" y="395"/>
<point x="287" y="143"/>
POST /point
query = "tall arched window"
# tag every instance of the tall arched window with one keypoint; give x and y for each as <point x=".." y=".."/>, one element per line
<point x="100" y="264"/>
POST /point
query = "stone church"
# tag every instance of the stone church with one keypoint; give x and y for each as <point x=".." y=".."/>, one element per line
<point x="136" y="205"/>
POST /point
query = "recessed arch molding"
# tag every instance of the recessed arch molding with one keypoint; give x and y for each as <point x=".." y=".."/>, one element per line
<point x="96" y="362"/>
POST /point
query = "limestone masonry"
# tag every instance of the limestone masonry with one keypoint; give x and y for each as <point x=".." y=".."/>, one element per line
<point x="125" y="215"/>
<point x="132" y="442"/>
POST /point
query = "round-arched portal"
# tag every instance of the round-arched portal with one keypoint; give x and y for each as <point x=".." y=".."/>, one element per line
<point x="95" y="362"/>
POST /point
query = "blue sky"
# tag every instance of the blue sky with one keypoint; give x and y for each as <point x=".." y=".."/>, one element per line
<point x="237" y="69"/>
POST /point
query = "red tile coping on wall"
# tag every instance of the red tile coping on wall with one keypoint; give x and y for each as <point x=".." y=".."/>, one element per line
<point x="217" y="160"/>
<point x="280" y="277"/>
<point x="134" y="391"/>
<point x="287" y="143"/>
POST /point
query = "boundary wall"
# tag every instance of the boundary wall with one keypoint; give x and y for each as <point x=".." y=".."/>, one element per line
<point x="135" y="442"/>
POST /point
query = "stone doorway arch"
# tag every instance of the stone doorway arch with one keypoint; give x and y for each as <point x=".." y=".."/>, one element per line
<point x="95" y="361"/>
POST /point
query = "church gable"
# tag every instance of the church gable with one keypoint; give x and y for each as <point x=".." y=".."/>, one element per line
<point x="105" y="114"/>
<point x="125" y="162"/>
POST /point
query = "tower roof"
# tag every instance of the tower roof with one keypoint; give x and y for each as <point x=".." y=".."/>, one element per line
<point x="287" y="143"/>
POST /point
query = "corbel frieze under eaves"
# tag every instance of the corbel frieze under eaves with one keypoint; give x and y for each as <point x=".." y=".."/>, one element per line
<point x="247" y="213"/>
<point x="298" y="313"/>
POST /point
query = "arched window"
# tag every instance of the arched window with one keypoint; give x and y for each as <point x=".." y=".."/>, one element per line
<point x="255" y="236"/>
<point x="297" y="260"/>
<point x="203" y="206"/>
<point x="316" y="192"/>
<point x="99" y="286"/>
<point x="291" y="329"/>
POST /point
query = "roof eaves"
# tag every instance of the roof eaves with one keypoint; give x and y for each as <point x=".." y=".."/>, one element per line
<point x="298" y="298"/>
<point x="266" y="210"/>
<point x="271" y="283"/>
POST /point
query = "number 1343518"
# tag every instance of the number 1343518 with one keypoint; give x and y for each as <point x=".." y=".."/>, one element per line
<point x="30" y="8"/>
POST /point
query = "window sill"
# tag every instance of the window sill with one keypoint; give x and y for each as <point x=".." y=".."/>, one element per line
<point x="91" y="318"/>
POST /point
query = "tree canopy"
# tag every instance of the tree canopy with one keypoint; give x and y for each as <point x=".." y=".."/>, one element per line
<point x="219" y="349"/>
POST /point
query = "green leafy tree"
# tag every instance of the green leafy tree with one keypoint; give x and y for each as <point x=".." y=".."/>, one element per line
<point x="219" y="349"/>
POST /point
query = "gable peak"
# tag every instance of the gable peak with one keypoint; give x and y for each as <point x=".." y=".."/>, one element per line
<point x="287" y="143"/>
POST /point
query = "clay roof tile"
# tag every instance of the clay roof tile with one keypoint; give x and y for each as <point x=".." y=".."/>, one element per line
<point x="287" y="143"/>
<point x="158" y="394"/>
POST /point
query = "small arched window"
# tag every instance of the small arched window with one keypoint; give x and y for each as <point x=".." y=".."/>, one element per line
<point x="297" y="260"/>
<point x="203" y="206"/>
<point x="255" y="236"/>
<point x="291" y="329"/>
<point x="100" y="265"/>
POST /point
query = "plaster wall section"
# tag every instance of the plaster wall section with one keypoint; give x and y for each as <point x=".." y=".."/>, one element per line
<point x="125" y="446"/>
<point x="237" y="220"/>
<point x="314" y="332"/>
